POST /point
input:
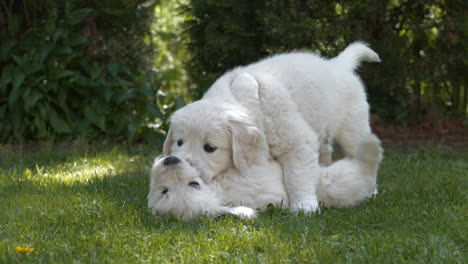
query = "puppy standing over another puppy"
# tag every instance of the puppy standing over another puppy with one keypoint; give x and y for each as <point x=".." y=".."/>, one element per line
<point x="178" y="188"/>
<point x="222" y="131"/>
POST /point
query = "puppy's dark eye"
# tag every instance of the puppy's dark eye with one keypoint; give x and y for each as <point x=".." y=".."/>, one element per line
<point x="165" y="191"/>
<point x="180" y="142"/>
<point x="194" y="184"/>
<point x="209" y="148"/>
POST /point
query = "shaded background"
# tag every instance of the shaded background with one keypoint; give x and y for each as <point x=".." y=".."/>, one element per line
<point x="116" y="69"/>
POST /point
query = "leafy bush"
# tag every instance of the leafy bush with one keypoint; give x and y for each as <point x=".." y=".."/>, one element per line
<point x="223" y="34"/>
<point x="420" y="42"/>
<point x="56" y="82"/>
<point x="172" y="54"/>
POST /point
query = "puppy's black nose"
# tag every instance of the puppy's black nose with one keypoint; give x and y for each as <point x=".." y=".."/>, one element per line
<point x="171" y="160"/>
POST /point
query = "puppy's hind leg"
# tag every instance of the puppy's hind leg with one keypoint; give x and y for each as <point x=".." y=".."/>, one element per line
<point x="351" y="180"/>
<point x="326" y="150"/>
<point x="292" y="141"/>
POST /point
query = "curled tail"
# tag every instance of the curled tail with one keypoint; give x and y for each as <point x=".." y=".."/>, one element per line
<point x="356" y="52"/>
<point x="370" y="153"/>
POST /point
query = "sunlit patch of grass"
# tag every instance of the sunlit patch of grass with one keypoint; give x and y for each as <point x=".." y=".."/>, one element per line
<point x="78" y="168"/>
<point x="81" y="169"/>
<point x="89" y="205"/>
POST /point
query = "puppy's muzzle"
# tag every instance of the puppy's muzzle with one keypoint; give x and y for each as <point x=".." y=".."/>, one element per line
<point x="171" y="160"/>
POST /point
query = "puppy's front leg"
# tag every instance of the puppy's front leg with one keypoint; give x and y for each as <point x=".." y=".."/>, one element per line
<point x="292" y="141"/>
<point x="301" y="175"/>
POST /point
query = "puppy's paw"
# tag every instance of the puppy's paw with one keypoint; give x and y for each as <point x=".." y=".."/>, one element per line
<point x="243" y="212"/>
<point x="311" y="206"/>
<point x="375" y="192"/>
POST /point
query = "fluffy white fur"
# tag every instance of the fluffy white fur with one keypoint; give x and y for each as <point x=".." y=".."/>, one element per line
<point x="266" y="108"/>
<point x="344" y="183"/>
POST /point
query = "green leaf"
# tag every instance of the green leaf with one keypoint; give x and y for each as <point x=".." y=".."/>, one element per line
<point x="179" y="103"/>
<point x="60" y="33"/>
<point x="146" y="90"/>
<point x="43" y="52"/>
<point x="113" y="69"/>
<point x="3" y="109"/>
<point x="5" y="49"/>
<point x="173" y="74"/>
<point x="166" y="36"/>
<point x="60" y="74"/>
<point x="39" y="79"/>
<point x="152" y="109"/>
<point x="95" y="118"/>
<point x="76" y="40"/>
<point x="123" y="96"/>
<point x="58" y="123"/>
<point x="16" y="114"/>
<point x="132" y="128"/>
<point x="43" y="111"/>
<point x="40" y="126"/>
<point x="108" y="95"/>
<point x="16" y="91"/>
<point x="78" y="15"/>
<point x="32" y="99"/>
<point x="95" y="72"/>
<point x="62" y="97"/>
<point x="124" y="83"/>
<point x="32" y="68"/>
<point x="52" y="86"/>
<point x="64" y="51"/>
<point x="19" y="60"/>
<point x="114" y="11"/>
<point x="6" y="77"/>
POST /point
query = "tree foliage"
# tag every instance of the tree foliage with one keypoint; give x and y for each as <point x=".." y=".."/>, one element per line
<point x="422" y="43"/>
<point x="117" y="68"/>
<point x="76" y="68"/>
<point x="171" y="56"/>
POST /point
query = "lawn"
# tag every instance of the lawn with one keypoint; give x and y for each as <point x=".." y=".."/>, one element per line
<point x="88" y="204"/>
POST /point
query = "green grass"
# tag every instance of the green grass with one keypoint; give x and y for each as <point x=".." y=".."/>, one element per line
<point x="88" y="205"/>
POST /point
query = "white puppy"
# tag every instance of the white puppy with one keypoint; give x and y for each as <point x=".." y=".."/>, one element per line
<point x="228" y="129"/>
<point x="178" y="189"/>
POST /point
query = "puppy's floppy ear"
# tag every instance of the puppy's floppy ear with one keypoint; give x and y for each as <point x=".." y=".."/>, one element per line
<point x="246" y="139"/>
<point x="168" y="143"/>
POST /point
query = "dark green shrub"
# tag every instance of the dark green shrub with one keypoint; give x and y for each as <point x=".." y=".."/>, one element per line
<point x="223" y="34"/>
<point x="65" y="77"/>
<point x="172" y="54"/>
<point x="421" y="44"/>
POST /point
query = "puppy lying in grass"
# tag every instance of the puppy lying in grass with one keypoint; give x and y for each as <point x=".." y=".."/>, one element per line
<point x="178" y="189"/>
